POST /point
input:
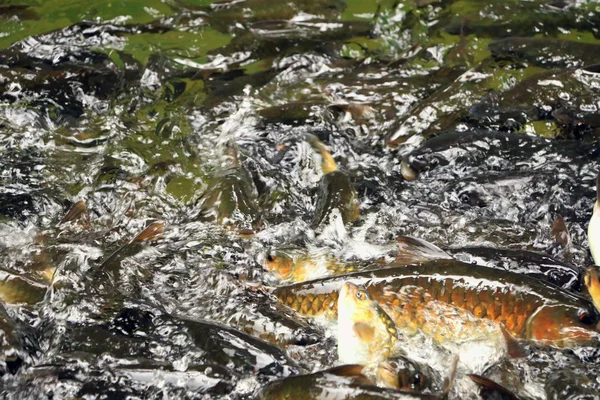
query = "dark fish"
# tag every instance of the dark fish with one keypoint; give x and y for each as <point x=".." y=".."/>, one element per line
<point x="340" y="383"/>
<point x="336" y="191"/>
<point x="547" y="52"/>
<point x="537" y="265"/>
<point x="18" y="346"/>
<point x="474" y="149"/>
<point x="412" y="250"/>
<point x="110" y="266"/>
<point x="231" y="200"/>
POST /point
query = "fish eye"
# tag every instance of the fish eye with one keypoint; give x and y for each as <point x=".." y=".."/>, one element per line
<point x="361" y="295"/>
<point x="417" y="381"/>
<point x="270" y="257"/>
<point x="585" y="317"/>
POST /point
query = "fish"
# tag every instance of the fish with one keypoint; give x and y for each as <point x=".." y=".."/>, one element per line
<point x="111" y="265"/>
<point x="345" y="382"/>
<point x="298" y="265"/>
<point x="366" y="334"/>
<point x="231" y="200"/>
<point x="452" y="301"/>
<point x="537" y="265"/>
<point x="15" y="289"/>
<point x="19" y="347"/>
<point x="594" y="226"/>
<point x="545" y="52"/>
<point x="335" y="189"/>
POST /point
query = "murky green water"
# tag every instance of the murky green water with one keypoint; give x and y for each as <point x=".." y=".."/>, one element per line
<point x="222" y="120"/>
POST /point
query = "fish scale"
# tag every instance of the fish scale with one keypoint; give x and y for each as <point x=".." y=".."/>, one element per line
<point x="418" y="296"/>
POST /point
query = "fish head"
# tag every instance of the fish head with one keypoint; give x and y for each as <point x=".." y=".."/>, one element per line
<point x="279" y="262"/>
<point x="564" y="325"/>
<point x="365" y="332"/>
<point x="356" y="303"/>
<point x="401" y="373"/>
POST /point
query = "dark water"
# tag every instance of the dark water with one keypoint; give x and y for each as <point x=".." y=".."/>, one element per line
<point x="204" y="116"/>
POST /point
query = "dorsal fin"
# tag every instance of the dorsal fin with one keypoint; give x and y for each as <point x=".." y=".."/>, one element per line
<point x="351" y="371"/>
<point x="347" y="370"/>
<point x="74" y="212"/>
<point x="150" y="232"/>
<point x="412" y="250"/>
<point x="364" y="331"/>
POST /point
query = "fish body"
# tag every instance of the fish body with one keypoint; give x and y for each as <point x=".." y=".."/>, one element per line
<point x="452" y="301"/>
<point x="366" y="334"/>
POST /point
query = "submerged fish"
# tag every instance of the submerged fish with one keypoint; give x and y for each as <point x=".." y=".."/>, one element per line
<point x="546" y="52"/>
<point x="335" y="189"/>
<point x="231" y="200"/>
<point x="540" y="266"/>
<point x="345" y="382"/>
<point x="297" y="265"/>
<point x="492" y="390"/>
<point x="366" y="334"/>
<point x="453" y="301"/>
<point x="15" y="289"/>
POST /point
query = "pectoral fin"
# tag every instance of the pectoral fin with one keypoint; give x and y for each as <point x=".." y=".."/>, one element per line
<point x="364" y="331"/>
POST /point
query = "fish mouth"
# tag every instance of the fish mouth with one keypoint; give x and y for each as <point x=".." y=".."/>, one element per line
<point x="348" y="288"/>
